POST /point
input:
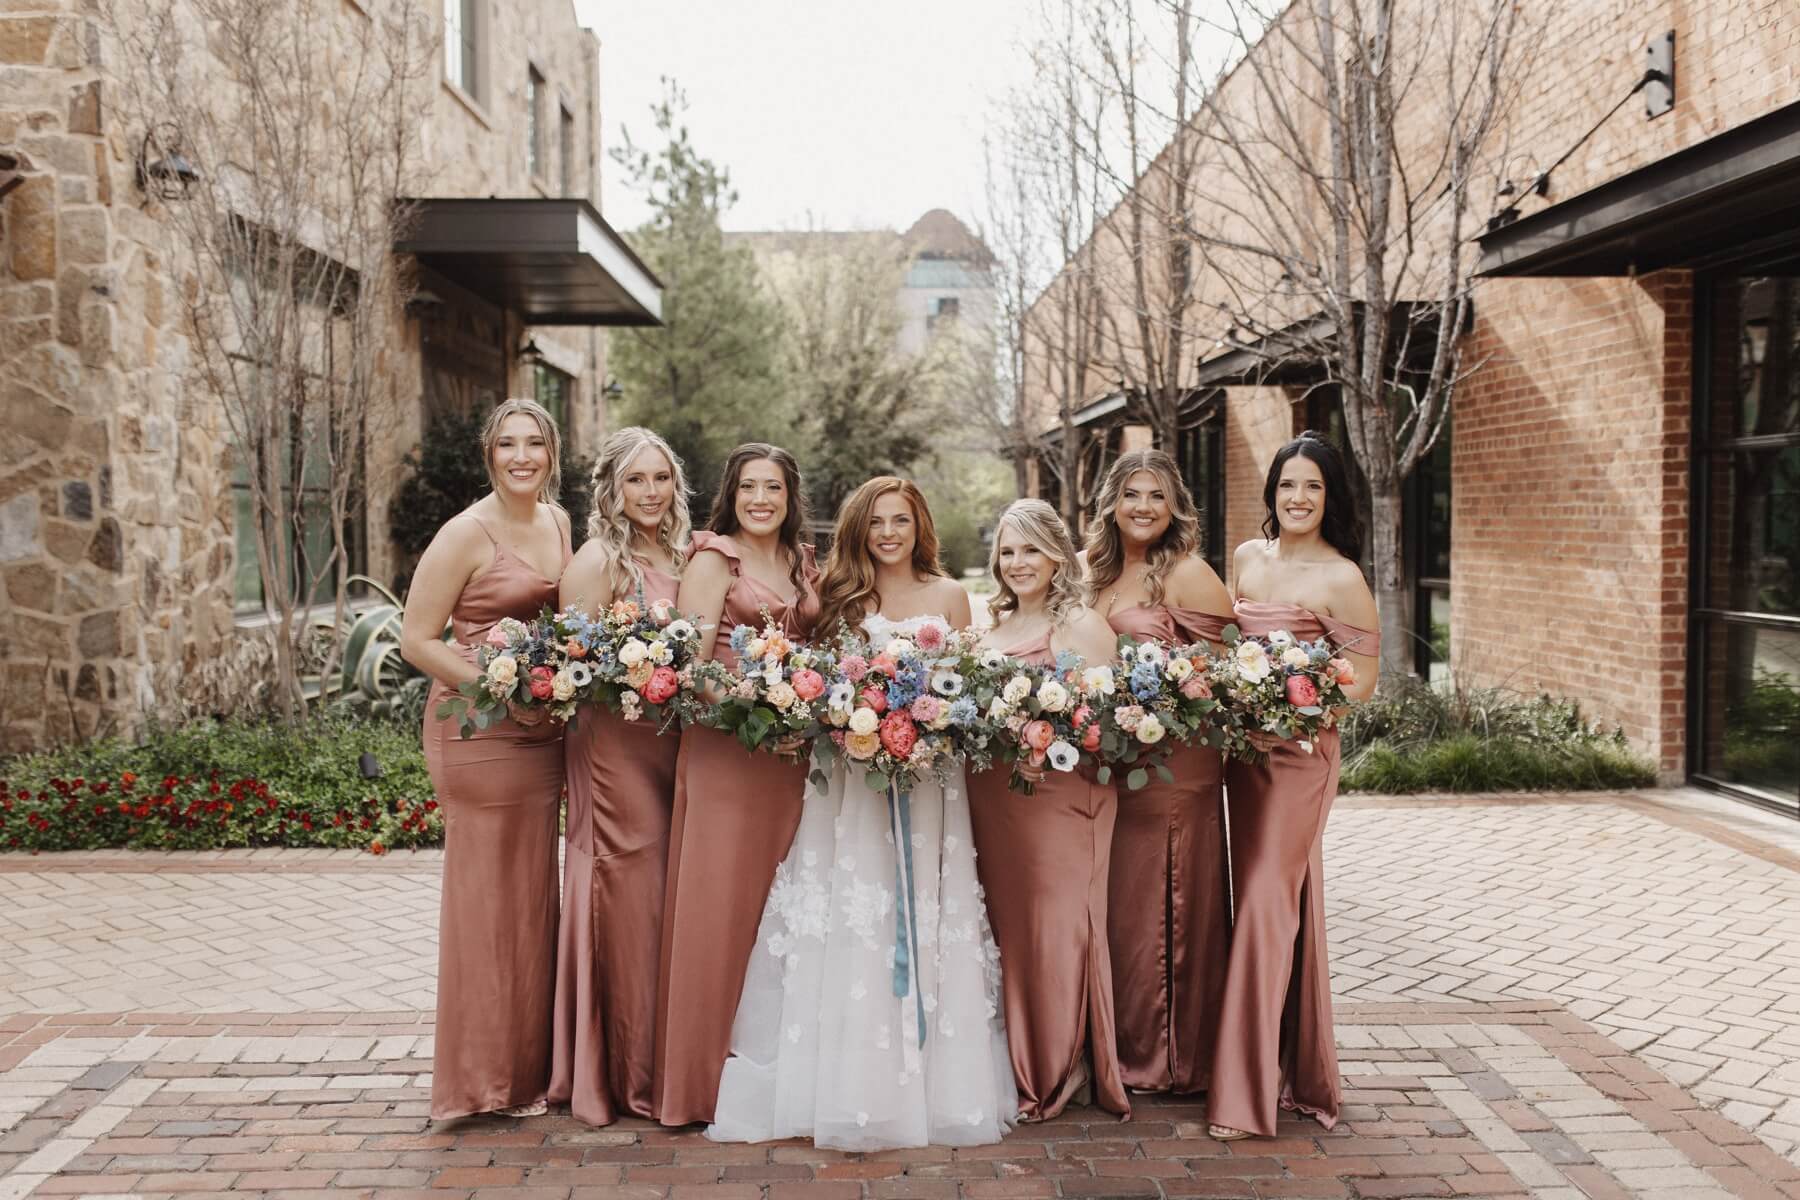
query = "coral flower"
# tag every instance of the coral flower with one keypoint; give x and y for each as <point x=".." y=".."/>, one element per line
<point x="663" y="684"/>
<point x="1038" y="735"/>
<point x="808" y="684"/>
<point x="898" y="734"/>
<point x="875" y="698"/>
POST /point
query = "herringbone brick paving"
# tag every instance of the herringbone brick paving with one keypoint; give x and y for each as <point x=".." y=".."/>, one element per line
<point x="1647" y="918"/>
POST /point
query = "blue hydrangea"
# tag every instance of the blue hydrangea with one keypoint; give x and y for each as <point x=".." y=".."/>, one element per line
<point x="1146" y="680"/>
<point x="740" y="638"/>
<point x="963" y="712"/>
<point x="1067" y="661"/>
<point x="908" y="685"/>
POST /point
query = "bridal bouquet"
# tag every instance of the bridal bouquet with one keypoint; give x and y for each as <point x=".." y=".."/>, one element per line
<point x="638" y="656"/>
<point x="1045" y="715"/>
<point x="772" y="695"/>
<point x="902" y="708"/>
<point x="526" y="663"/>
<point x="1277" y="684"/>
<point x="1158" y="694"/>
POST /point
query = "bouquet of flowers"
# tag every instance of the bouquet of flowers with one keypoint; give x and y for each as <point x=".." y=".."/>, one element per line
<point x="1159" y="692"/>
<point x="637" y="655"/>
<point x="526" y="663"/>
<point x="1044" y="715"/>
<point x="773" y="694"/>
<point x="1277" y="684"/>
<point x="902" y="708"/>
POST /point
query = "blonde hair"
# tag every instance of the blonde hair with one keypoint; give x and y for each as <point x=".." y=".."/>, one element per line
<point x="1106" y="546"/>
<point x="612" y="530"/>
<point x="847" y="590"/>
<point x="551" y="489"/>
<point x="1039" y="524"/>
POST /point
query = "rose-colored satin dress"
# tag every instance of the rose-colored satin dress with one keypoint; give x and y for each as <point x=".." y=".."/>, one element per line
<point x="500" y="791"/>
<point x="1042" y="860"/>
<point x="735" y="816"/>
<point x="621" y="791"/>
<point x="1169" y="902"/>
<point x="1275" y="1047"/>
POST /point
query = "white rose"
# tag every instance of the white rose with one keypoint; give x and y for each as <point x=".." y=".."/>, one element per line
<point x="997" y="710"/>
<point x="1180" y="668"/>
<point x="1053" y="696"/>
<point x="782" y="695"/>
<point x="864" y="720"/>
<point x="633" y="652"/>
<point x="1252" y="661"/>
<point x="1293" y="657"/>
<point x="1016" y="689"/>
<point x="898" y="649"/>
<point x="755" y="647"/>
<point x="1098" y="681"/>
<point x="562" y="685"/>
<point x="1062" y="756"/>
<point x="1150" y="730"/>
<point x="503" y="671"/>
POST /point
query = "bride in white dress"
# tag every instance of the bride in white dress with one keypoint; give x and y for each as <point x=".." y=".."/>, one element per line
<point x="870" y="1016"/>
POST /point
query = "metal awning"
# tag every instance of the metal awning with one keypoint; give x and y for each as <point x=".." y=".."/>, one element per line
<point x="1724" y="195"/>
<point x="554" y="262"/>
<point x="1299" y="354"/>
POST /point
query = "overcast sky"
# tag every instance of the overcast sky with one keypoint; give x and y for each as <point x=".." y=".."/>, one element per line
<point x="851" y="114"/>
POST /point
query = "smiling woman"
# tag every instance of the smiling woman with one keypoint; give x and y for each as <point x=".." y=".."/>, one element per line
<point x="501" y="789"/>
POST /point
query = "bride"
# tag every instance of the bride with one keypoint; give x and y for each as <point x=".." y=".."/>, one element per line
<point x="870" y="1016"/>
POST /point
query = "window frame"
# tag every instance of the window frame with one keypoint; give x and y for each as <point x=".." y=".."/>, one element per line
<point x="536" y="87"/>
<point x="565" y="131"/>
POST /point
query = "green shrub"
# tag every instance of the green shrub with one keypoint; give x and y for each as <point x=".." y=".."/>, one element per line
<point x="1414" y="737"/>
<point x="209" y="784"/>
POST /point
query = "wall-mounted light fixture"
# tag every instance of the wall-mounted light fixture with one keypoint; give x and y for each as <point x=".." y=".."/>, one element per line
<point x="613" y="391"/>
<point x="163" y="170"/>
<point x="529" y="352"/>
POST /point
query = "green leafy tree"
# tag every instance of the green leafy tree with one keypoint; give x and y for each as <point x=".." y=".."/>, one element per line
<point x="708" y="377"/>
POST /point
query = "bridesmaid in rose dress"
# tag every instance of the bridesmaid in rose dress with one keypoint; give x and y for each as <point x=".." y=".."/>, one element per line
<point x="735" y="812"/>
<point x="1275" y="1047"/>
<point x="1169" y="903"/>
<point x="621" y="790"/>
<point x="1042" y="859"/>
<point x="501" y="789"/>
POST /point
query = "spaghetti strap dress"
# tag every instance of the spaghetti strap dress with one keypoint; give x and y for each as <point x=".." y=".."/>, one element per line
<point x="500" y="791"/>
<point x="1169" y="900"/>
<point x="621" y="792"/>
<point x="1276" y="1047"/>
<point x="734" y="818"/>
<point x="1043" y="861"/>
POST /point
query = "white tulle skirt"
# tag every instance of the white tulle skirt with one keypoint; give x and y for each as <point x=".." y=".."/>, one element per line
<point x="870" y="1017"/>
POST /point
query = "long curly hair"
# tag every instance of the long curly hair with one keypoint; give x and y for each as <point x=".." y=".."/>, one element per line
<point x="551" y="488"/>
<point x="1106" y="545"/>
<point x="1039" y="524"/>
<point x="724" y="518"/>
<point x="1342" y="526"/>
<point x="609" y="527"/>
<point x="847" y="591"/>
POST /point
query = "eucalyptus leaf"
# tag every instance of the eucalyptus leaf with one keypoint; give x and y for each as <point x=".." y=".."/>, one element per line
<point x="1104" y="774"/>
<point x="1137" y="779"/>
<point x="876" y="781"/>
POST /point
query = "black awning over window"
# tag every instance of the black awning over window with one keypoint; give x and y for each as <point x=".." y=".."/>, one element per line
<point x="554" y="262"/>
<point x="1696" y="207"/>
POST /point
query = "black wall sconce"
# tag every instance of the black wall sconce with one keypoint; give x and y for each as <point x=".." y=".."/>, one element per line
<point x="168" y="175"/>
<point x="529" y="352"/>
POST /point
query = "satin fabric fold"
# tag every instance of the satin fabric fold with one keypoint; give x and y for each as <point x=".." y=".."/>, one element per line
<point x="1276" y="1046"/>
<point x="500" y="792"/>
<point x="621" y="792"/>
<point x="734" y="817"/>
<point x="1043" y="861"/>
<point x="1169" y="899"/>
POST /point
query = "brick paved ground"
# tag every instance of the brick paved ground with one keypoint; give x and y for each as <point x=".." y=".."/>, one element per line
<point x="1557" y="998"/>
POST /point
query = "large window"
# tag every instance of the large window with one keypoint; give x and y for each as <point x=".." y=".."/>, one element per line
<point x="1745" y="675"/>
<point x="1200" y="453"/>
<point x="462" y="42"/>
<point x="301" y="470"/>
<point x="554" y="389"/>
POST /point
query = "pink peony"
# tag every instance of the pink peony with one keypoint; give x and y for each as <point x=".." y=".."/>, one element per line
<point x="1302" y="692"/>
<point x="898" y="734"/>
<point x="663" y="684"/>
<point x="926" y="709"/>
<point x="808" y="684"/>
<point x="875" y="698"/>
<point x="496" y="637"/>
<point x="1083" y="714"/>
<point x="854" y="667"/>
<point x="884" y="663"/>
<point x="541" y="682"/>
<point x="930" y="637"/>
<point x="1345" y="670"/>
<point x="1196" y="688"/>
<point x="1038" y="735"/>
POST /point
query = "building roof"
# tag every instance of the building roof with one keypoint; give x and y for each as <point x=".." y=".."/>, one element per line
<point x="940" y="234"/>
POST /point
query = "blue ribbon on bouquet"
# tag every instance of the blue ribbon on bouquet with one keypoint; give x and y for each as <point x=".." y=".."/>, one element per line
<point x="906" y="918"/>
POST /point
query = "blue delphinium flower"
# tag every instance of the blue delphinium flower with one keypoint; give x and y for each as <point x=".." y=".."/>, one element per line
<point x="908" y="685"/>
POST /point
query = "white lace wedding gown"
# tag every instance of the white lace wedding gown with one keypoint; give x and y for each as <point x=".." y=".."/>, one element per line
<point x="859" y="1027"/>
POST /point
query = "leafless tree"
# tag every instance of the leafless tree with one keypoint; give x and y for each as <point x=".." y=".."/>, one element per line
<point x="301" y="117"/>
<point x="1344" y="151"/>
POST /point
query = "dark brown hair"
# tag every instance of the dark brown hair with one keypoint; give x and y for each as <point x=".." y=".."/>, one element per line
<point x="724" y="518"/>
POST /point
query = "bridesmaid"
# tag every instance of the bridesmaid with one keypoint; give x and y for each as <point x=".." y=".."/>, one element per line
<point x="1275" y="1046"/>
<point x="1034" y="854"/>
<point x="735" y="812"/>
<point x="621" y="789"/>
<point x="1169" y="903"/>
<point x="500" y="789"/>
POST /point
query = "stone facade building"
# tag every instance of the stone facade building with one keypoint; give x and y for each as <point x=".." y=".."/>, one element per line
<point x="1614" y="514"/>
<point x="123" y="580"/>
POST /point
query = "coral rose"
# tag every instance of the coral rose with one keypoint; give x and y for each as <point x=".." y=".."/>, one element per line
<point x="1345" y="669"/>
<point x="663" y="684"/>
<point x="1090" y="740"/>
<point x="875" y="698"/>
<point x="1038" y="735"/>
<point x="808" y="684"/>
<point x="1195" y="687"/>
<point x="543" y="683"/>
<point x="899" y="734"/>
<point x="1302" y="692"/>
